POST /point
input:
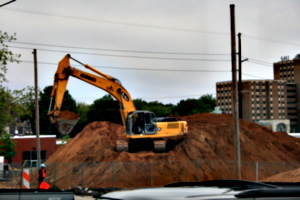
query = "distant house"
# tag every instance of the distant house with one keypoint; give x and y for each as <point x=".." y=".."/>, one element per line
<point x="20" y="128"/>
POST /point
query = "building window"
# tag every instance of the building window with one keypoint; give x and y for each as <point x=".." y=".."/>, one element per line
<point x="31" y="157"/>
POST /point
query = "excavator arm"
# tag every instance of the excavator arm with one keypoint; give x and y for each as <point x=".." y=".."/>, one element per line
<point x="101" y="80"/>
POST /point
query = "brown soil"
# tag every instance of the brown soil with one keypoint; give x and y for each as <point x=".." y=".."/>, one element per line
<point x="65" y="114"/>
<point x="209" y="144"/>
<point x="289" y="176"/>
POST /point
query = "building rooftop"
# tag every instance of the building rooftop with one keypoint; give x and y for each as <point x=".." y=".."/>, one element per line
<point x="32" y="136"/>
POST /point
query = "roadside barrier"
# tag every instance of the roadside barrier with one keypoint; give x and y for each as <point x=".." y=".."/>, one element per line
<point x="26" y="178"/>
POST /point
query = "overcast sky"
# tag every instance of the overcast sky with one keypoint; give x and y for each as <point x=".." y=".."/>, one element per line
<point x="161" y="50"/>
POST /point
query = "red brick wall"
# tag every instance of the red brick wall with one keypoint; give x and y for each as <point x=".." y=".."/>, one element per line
<point x="47" y="144"/>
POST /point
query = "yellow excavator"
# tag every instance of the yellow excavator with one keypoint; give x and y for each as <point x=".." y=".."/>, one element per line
<point x="140" y="125"/>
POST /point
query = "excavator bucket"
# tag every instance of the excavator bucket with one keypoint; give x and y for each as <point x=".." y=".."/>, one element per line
<point x="66" y="122"/>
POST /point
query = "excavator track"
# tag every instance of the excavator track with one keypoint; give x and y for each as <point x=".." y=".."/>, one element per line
<point x="122" y="145"/>
<point x="155" y="145"/>
<point x="159" y="145"/>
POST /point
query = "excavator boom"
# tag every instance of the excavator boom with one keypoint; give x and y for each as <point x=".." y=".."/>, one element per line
<point x="104" y="82"/>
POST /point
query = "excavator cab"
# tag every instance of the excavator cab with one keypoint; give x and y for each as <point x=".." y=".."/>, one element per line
<point x="141" y="123"/>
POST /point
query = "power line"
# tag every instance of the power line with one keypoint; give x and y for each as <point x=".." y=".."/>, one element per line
<point x="253" y="76"/>
<point x="117" y="23"/>
<point x="141" y="69"/>
<point x="264" y="62"/>
<point x="260" y="63"/>
<point x="127" y="51"/>
<point x="272" y="40"/>
<point x="149" y="26"/>
<point x="190" y="59"/>
<point x="151" y="69"/>
<point x="7" y="3"/>
<point x="168" y="97"/>
<point x="171" y="97"/>
<point x="134" y="51"/>
<point x="127" y="56"/>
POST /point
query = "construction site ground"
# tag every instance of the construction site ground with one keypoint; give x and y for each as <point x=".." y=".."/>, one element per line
<point x="210" y="141"/>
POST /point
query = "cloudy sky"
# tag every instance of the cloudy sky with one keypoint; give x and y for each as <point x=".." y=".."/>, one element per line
<point x="161" y="50"/>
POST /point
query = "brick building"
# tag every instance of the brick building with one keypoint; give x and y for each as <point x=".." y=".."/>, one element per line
<point x="26" y="148"/>
<point x="261" y="99"/>
<point x="270" y="101"/>
<point x="289" y="71"/>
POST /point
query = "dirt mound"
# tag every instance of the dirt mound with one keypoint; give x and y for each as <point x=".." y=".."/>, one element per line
<point x="208" y="146"/>
<point x="289" y="176"/>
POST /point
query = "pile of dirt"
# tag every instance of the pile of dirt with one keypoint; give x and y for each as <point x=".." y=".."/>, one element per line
<point x="66" y="114"/>
<point x="208" y="146"/>
<point x="289" y="176"/>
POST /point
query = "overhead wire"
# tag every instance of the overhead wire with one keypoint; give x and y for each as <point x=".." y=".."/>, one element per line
<point x="259" y="62"/>
<point x="171" y="97"/>
<point x="152" y="69"/>
<point x="145" y="69"/>
<point x="151" y="52"/>
<point x="149" y="26"/>
<point x="271" y="40"/>
<point x="145" y="57"/>
<point x="120" y="50"/>
<point x="117" y="23"/>
<point x="127" y="56"/>
<point x="141" y="69"/>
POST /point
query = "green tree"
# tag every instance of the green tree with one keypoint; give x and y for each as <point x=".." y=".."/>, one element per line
<point x="140" y="104"/>
<point x="26" y="101"/>
<point x="7" y="147"/>
<point x="82" y="109"/>
<point x="8" y="106"/>
<point x="69" y="103"/>
<point x="105" y="109"/>
<point x="7" y="102"/>
<point x="204" y="104"/>
<point x="189" y="107"/>
<point x="8" y="109"/>
<point x="160" y="109"/>
<point x="209" y="101"/>
<point x="6" y="55"/>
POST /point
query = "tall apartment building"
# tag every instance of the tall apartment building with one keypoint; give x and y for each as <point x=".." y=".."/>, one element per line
<point x="261" y="99"/>
<point x="264" y="100"/>
<point x="289" y="70"/>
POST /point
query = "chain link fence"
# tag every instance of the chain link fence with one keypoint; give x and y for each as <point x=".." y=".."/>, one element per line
<point x="141" y="174"/>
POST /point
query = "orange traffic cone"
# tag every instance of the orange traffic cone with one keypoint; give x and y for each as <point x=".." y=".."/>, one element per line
<point x="44" y="185"/>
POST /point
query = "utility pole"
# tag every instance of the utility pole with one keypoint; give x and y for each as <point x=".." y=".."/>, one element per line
<point x="240" y="85"/>
<point x="234" y="95"/>
<point x="37" y="118"/>
<point x="240" y="79"/>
